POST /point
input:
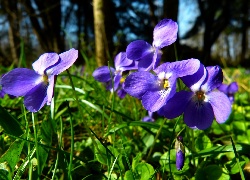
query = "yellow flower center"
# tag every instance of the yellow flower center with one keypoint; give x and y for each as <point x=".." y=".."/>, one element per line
<point x="45" y="79"/>
<point x="122" y="80"/>
<point x="200" y="95"/>
<point x="165" y="83"/>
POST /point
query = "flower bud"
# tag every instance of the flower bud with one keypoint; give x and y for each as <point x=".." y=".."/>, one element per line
<point x="180" y="153"/>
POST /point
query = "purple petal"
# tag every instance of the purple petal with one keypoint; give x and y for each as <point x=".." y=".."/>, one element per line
<point x="67" y="59"/>
<point x="223" y="88"/>
<point x="157" y="58"/>
<point x="221" y="105"/>
<point x="146" y="63"/>
<point x="194" y="81"/>
<point x="2" y="93"/>
<point x="102" y="74"/>
<point x="138" y="49"/>
<point x="132" y="66"/>
<point x="185" y="67"/>
<point x="36" y="98"/>
<point x="165" y="33"/>
<point x="117" y="80"/>
<point x="20" y="81"/>
<point x="162" y="68"/>
<point x="147" y="119"/>
<point x="50" y="90"/>
<point x="198" y="115"/>
<point x="154" y="100"/>
<point x="137" y="83"/>
<point x="44" y="61"/>
<point x="121" y="93"/>
<point x="176" y="105"/>
<point x="214" y="79"/>
<point x="121" y="60"/>
<point x="180" y="68"/>
<point x="233" y="88"/>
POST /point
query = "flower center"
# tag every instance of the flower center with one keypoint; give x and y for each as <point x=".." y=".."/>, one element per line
<point x="122" y="80"/>
<point x="45" y="79"/>
<point x="200" y="95"/>
<point x="165" y="83"/>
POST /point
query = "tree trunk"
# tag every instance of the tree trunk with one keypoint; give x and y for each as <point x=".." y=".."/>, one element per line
<point x="244" y="31"/>
<point x="48" y="29"/>
<point x="13" y="32"/>
<point x="101" y="45"/>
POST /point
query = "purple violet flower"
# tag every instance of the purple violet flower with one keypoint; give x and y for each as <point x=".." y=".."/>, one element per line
<point x="165" y="33"/>
<point x="180" y="153"/>
<point x="202" y="104"/>
<point x="156" y="90"/>
<point x="106" y="74"/>
<point x="37" y="86"/>
<point x="229" y="90"/>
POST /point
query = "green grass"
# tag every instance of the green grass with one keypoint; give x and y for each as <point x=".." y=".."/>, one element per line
<point x="89" y="133"/>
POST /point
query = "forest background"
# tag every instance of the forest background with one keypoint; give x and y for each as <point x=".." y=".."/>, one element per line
<point x="216" y="32"/>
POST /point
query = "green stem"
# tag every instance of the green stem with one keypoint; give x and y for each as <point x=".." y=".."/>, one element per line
<point x="60" y="145"/>
<point x="237" y="159"/>
<point x="72" y="144"/>
<point x="36" y="144"/>
<point x="27" y="138"/>
<point x="156" y="137"/>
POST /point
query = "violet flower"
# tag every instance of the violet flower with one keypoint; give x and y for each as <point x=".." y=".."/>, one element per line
<point x="37" y="86"/>
<point x="165" y="33"/>
<point x="202" y="104"/>
<point x="107" y="74"/>
<point x="229" y="90"/>
<point x="180" y="153"/>
<point x="156" y="90"/>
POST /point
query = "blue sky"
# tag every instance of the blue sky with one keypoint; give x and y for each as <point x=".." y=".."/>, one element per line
<point x="188" y="11"/>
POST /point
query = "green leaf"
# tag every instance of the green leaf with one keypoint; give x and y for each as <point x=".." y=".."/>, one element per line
<point x="11" y="156"/>
<point x="202" y="142"/>
<point x="9" y="123"/>
<point x="145" y="171"/>
<point x="101" y="153"/>
<point x="233" y="167"/>
<point x="25" y="163"/>
<point x="46" y="132"/>
<point x="129" y="175"/>
<point x="211" y="172"/>
<point x="136" y="160"/>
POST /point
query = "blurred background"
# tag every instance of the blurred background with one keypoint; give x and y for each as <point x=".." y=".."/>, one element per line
<point x="214" y="31"/>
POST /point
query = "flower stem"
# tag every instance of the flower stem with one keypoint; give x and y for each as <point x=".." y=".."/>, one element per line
<point x="36" y="145"/>
<point x="72" y="144"/>
<point x="156" y="137"/>
<point x="60" y="145"/>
